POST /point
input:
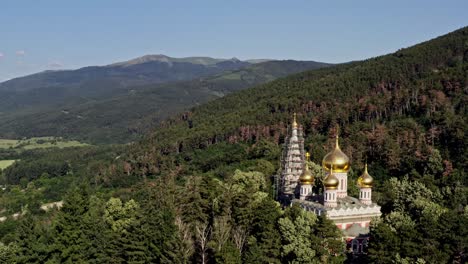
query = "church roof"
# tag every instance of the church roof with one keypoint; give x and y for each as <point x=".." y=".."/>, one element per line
<point x="355" y="230"/>
<point x="347" y="202"/>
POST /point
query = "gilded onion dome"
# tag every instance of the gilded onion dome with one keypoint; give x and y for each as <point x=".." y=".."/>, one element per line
<point x="365" y="180"/>
<point x="331" y="181"/>
<point x="306" y="177"/>
<point x="336" y="160"/>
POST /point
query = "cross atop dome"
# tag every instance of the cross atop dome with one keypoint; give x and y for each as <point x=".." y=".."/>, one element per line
<point x="294" y="124"/>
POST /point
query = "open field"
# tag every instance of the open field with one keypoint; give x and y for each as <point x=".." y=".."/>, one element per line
<point x="38" y="142"/>
<point x="5" y="163"/>
<point x="8" y="143"/>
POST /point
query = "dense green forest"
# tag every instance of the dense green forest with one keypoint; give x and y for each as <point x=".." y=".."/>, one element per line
<point x="198" y="188"/>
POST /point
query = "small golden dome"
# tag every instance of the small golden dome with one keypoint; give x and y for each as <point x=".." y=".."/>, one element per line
<point x="365" y="180"/>
<point x="336" y="160"/>
<point x="306" y="177"/>
<point x="294" y="124"/>
<point x="331" y="181"/>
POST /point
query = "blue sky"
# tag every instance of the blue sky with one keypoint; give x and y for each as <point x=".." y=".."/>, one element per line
<point x="58" y="34"/>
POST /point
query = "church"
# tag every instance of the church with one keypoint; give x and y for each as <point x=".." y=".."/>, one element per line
<point x="294" y="185"/>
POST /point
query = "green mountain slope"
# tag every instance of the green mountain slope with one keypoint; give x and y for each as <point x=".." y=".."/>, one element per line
<point x="126" y="115"/>
<point x="394" y="111"/>
<point x="58" y="88"/>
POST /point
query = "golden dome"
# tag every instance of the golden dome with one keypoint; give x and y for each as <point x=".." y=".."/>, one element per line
<point x="331" y="181"/>
<point x="365" y="180"/>
<point x="306" y="177"/>
<point x="336" y="160"/>
<point x="294" y="124"/>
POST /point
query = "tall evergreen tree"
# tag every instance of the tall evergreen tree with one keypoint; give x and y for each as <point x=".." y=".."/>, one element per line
<point x="31" y="243"/>
<point x="71" y="242"/>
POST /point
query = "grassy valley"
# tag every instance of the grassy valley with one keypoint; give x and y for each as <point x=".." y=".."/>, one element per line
<point x="14" y="148"/>
<point x="38" y="142"/>
<point x="6" y="163"/>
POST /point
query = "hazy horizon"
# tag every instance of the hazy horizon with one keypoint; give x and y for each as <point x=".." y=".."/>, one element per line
<point x="87" y="33"/>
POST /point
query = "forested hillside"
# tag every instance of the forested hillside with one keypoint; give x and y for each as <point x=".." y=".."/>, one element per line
<point x="199" y="188"/>
<point x="404" y="113"/>
<point x="392" y="110"/>
<point x="122" y="113"/>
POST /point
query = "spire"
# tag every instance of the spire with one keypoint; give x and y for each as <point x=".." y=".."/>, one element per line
<point x="306" y="165"/>
<point x="365" y="168"/>
<point x="294" y="124"/>
<point x="337" y="145"/>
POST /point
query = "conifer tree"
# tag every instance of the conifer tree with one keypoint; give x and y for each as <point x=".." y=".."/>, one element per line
<point x="70" y="239"/>
<point x="264" y="241"/>
<point x="30" y="242"/>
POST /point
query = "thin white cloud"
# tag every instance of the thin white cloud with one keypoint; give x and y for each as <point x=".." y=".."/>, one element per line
<point x="20" y="53"/>
<point x="1" y="55"/>
<point x="55" y="64"/>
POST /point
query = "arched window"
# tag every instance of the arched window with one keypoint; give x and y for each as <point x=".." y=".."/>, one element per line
<point x="364" y="245"/>
<point x="355" y="245"/>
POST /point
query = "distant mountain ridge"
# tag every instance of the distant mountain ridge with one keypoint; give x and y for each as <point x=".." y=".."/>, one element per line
<point x="167" y="59"/>
<point x="111" y="111"/>
<point x="148" y="69"/>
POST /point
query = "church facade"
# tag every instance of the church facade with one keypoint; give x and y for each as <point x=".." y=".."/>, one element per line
<point x="294" y="185"/>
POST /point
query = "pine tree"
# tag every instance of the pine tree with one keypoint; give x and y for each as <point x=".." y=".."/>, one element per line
<point x="264" y="242"/>
<point x="30" y="242"/>
<point x="70" y="240"/>
<point x="383" y="243"/>
<point x="134" y="247"/>
<point x="158" y="219"/>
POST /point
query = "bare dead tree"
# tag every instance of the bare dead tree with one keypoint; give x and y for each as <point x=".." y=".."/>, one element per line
<point x="221" y="231"/>
<point x="203" y="231"/>
<point x="240" y="235"/>
<point x="186" y="237"/>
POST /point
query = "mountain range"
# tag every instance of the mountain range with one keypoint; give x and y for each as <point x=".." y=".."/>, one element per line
<point x="118" y="102"/>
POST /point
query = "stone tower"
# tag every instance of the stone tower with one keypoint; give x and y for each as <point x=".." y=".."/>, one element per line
<point x="292" y="161"/>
